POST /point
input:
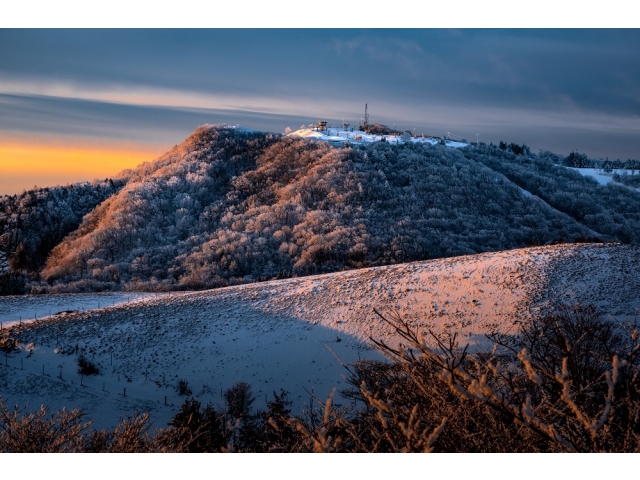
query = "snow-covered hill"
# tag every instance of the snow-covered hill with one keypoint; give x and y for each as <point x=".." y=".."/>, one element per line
<point x="230" y="205"/>
<point x="288" y="333"/>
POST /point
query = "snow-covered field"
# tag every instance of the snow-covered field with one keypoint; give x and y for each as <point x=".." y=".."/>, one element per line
<point x="602" y="177"/>
<point x="27" y="308"/>
<point x="337" y="135"/>
<point x="287" y="333"/>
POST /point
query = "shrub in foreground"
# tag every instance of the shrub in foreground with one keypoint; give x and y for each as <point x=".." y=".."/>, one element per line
<point x="569" y="381"/>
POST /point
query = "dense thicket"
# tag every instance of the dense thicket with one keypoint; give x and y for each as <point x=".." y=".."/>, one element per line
<point x="231" y="205"/>
<point x="610" y="210"/>
<point x="632" y="181"/>
<point x="581" y="160"/>
<point x="34" y="222"/>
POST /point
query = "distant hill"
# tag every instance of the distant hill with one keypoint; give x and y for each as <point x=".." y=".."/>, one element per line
<point x="232" y="205"/>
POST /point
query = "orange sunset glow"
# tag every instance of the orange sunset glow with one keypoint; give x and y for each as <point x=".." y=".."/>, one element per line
<point x="26" y="163"/>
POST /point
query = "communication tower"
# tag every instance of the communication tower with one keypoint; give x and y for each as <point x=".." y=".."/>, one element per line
<point x="366" y="115"/>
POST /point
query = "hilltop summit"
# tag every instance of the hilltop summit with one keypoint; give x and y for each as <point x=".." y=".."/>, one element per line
<point x="341" y="135"/>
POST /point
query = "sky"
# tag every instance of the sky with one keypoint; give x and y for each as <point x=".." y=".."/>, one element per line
<point x="82" y="104"/>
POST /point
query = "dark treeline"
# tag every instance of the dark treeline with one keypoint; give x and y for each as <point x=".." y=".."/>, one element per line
<point x="580" y="160"/>
<point x="632" y="181"/>
<point x="230" y="206"/>
<point x="32" y="223"/>
<point x="612" y="211"/>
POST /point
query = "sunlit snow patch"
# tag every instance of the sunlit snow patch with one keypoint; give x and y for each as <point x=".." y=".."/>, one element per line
<point x="341" y="135"/>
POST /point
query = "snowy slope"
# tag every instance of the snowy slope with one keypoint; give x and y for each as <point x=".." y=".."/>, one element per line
<point x="275" y="334"/>
<point x="602" y="177"/>
<point x="341" y="135"/>
<point x="25" y="308"/>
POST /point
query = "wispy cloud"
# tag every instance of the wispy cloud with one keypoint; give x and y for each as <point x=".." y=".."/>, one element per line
<point x="150" y="96"/>
<point x="407" y="56"/>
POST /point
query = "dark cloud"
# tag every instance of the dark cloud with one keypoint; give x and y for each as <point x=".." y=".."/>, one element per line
<point x="407" y="76"/>
<point x="144" y="124"/>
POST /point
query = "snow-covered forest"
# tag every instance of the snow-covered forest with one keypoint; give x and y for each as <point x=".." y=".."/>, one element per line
<point x="231" y="205"/>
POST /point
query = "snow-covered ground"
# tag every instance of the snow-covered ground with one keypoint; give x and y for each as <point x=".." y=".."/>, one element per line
<point x="343" y="135"/>
<point x="602" y="177"/>
<point x="289" y="333"/>
<point x="27" y="308"/>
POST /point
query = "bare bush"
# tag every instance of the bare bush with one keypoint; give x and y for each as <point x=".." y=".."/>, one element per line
<point x="130" y="436"/>
<point x="566" y="382"/>
<point x="196" y="429"/>
<point x="381" y="428"/>
<point x="8" y="345"/>
<point x="183" y="387"/>
<point x="86" y="366"/>
<point x="38" y="432"/>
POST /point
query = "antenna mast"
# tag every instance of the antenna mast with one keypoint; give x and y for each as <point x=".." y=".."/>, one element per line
<point x="366" y="116"/>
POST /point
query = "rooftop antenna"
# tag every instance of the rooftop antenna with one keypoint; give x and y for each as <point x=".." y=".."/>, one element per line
<point x="477" y="139"/>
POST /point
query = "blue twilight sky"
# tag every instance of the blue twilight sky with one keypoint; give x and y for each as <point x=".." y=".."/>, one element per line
<point x="552" y="89"/>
